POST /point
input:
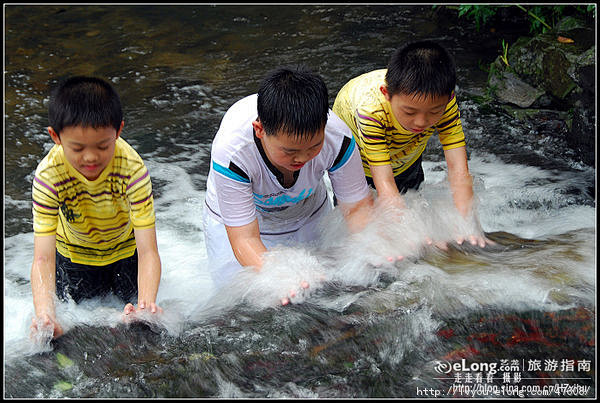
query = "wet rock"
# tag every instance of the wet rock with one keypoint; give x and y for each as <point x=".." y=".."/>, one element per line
<point x="583" y="73"/>
<point x="581" y="137"/>
<point x="508" y="88"/>
<point x="544" y="62"/>
<point x="553" y="71"/>
<point x="547" y="122"/>
<point x="577" y="30"/>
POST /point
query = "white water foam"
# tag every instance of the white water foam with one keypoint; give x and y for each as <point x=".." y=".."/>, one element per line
<point x="525" y="201"/>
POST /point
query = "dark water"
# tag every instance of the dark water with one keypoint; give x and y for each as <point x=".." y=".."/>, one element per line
<point x="303" y="352"/>
<point x="178" y="69"/>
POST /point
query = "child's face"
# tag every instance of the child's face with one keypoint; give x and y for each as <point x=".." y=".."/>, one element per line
<point x="289" y="153"/>
<point x="417" y="112"/>
<point x="87" y="149"/>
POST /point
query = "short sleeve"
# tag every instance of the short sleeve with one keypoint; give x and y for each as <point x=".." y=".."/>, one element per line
<point x="372" y="130"/>
<point x="141" y="200"/>
<point x="234" y="195"/>
<point x="449" y="127"/>
<point x="45" y="207"/>
<point x="347" y="175"/>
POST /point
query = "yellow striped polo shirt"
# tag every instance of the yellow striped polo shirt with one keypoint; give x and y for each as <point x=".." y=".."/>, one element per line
<point x="93" y="220"/>
<point x="379" y="136"/>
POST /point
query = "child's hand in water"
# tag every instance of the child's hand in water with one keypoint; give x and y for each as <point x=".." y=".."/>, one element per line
<point x="476" y="240"/>
<point x="443" y="245"/>
<point x="393" y="259"/>
<point x="130" y="312"/>
<point x="292" y="294"/>
<point x="45" y="325"/>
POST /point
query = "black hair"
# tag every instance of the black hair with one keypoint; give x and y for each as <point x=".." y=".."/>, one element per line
<point x="84" y="101"/>
<point x="421" y="68"/>
<point x="293" y="100"/>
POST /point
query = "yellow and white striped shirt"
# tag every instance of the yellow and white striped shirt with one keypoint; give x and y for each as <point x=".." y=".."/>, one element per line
<point x="379" y="136"/>
<point x="93" y="220"/>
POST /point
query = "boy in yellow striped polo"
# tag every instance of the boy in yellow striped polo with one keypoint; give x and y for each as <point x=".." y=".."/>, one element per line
<point x="93" y="209"/>
<point x="393" y="112"/>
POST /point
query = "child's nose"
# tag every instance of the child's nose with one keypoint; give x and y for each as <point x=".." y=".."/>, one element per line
<point x="90" y="156"/>
<point x="303" y="157"/>
<point x="420" y="121"/>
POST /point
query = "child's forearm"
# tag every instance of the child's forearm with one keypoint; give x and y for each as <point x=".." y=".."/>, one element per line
<point x="461" y="182"/>
<point x="149" y="272"/>
<point x="149" y="266"/>
<point x="462" y="193"/>
<point x="383" y="179"/>
<point x="246" y="244"/>
<point x="249" y="252"/>
<point x="43" y="274"/>
<point x="43" y="286"/>
<point x="387" y="190"/>
<point x="357" y="215"/>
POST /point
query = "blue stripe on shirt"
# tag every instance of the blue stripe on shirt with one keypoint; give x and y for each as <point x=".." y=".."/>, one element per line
<point x="346" y="156"/>
<point x="229" y="173"/>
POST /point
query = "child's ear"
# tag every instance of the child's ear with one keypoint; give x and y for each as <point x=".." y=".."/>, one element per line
<point x="120" y="128"/>
<point x="258" y="129"/>
<point x="54" y="135"/>
<point x="385" y="92"/>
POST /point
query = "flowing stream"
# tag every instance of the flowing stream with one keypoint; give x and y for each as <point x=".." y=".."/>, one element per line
<point x="512" y="320"/>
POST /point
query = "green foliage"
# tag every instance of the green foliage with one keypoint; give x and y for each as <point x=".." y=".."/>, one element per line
<point x="481" y="14"/>
<point x="492" y="89"/>
<point x="483" y="66"/>
<point x="504" y="55"/>
<point x="63" y="386"/>
<point x="63" y="360"/>
<point x="542" y="18"/>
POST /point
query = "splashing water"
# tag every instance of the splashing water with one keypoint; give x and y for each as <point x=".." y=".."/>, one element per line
<point x="361" y="313"/>
<point x="369" y="324"/>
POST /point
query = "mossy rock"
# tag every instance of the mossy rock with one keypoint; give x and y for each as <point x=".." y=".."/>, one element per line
<point x="544" y="62"/>
<point x="556" y="66"/>
<point x="508" y="88"/>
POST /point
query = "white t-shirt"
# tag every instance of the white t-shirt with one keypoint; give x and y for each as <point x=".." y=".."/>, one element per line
<point x="243" y="184"/>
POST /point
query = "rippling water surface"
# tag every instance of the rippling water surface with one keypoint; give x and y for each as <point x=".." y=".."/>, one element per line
<point x="366" y="327"/>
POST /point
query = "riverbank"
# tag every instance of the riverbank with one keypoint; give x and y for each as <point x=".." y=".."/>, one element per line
<point x="546" y="79"/>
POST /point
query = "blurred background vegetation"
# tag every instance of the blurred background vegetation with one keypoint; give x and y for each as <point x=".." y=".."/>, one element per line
<point x="542" y="18"/>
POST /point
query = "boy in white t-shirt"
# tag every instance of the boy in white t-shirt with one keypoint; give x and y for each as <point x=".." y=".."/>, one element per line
<point x="265" y="186"/>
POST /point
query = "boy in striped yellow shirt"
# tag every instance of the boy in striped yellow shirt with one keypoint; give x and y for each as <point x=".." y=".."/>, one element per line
<point x="93" y="209"/>
<point x="393" y="112"/>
